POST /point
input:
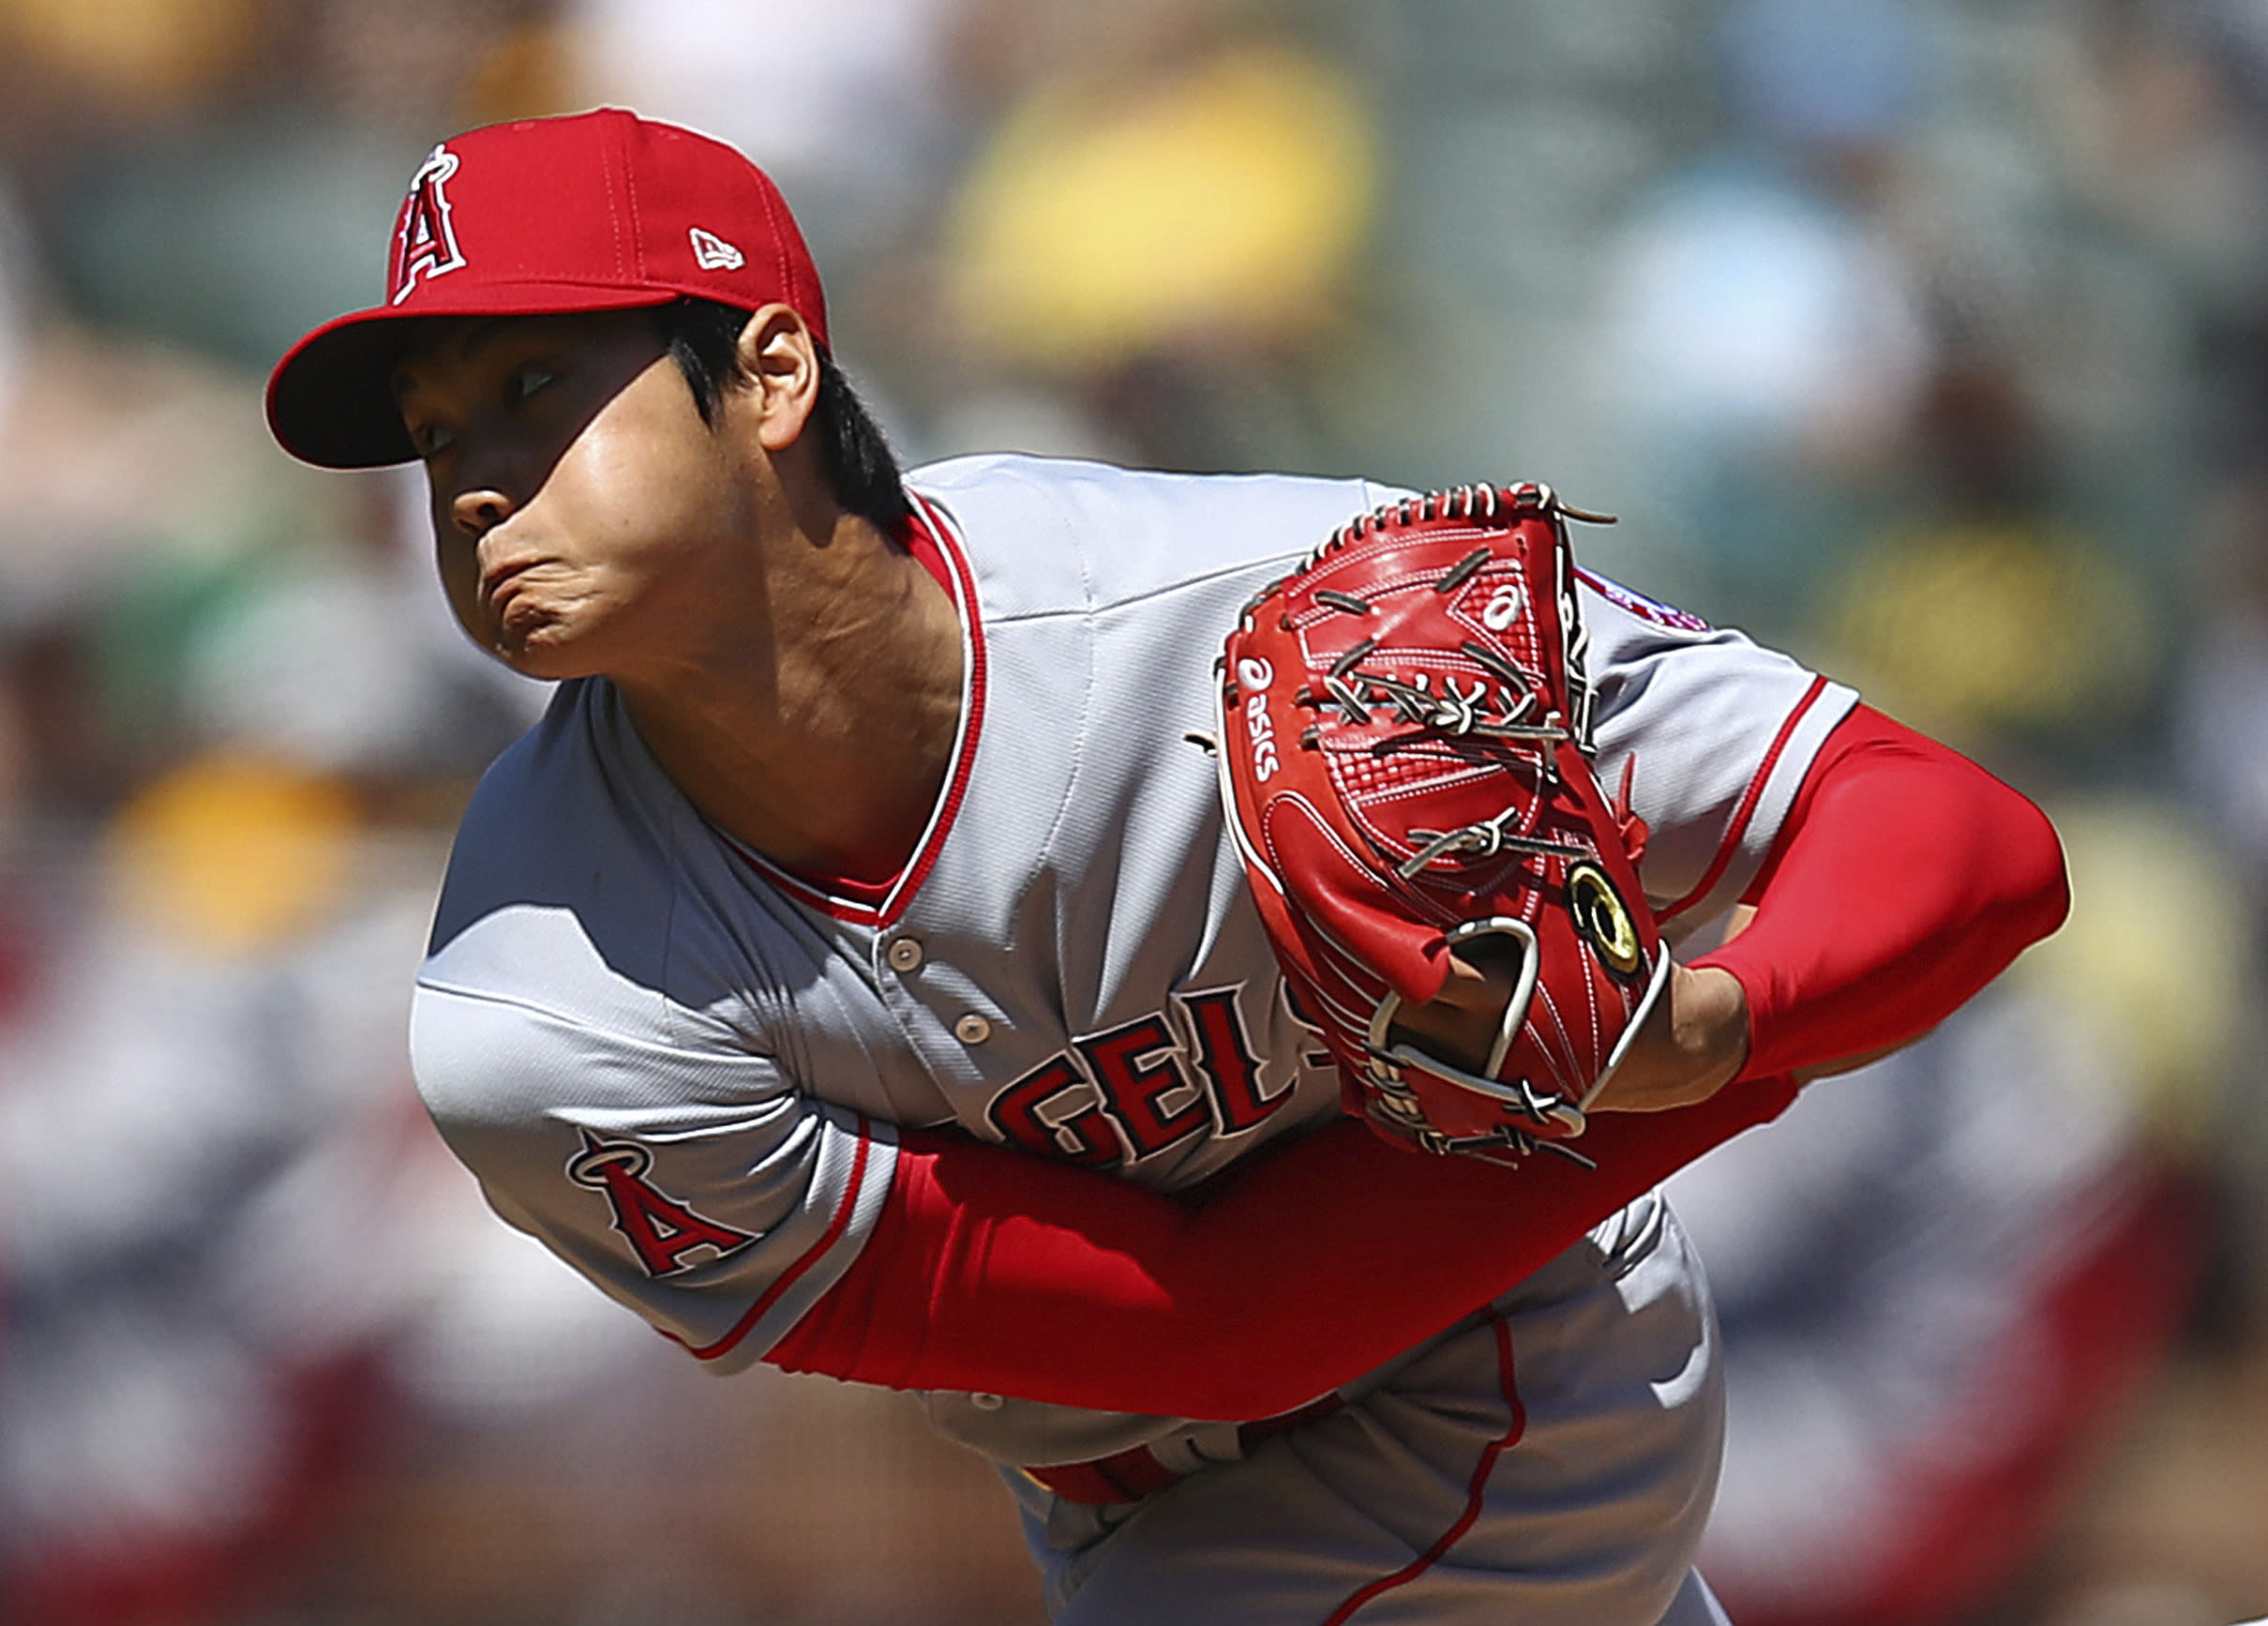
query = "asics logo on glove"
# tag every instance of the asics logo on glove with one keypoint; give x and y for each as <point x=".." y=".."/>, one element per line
<point x="1257" y="675"/>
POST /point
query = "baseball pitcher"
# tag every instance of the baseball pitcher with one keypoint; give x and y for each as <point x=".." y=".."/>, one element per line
<point x="1186" y="977"/>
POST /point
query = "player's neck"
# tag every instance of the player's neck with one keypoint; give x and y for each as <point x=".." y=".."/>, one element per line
<point x="826" y="744"/>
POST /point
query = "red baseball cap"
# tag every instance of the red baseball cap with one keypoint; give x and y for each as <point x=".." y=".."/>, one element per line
<point x="594" y="211"/>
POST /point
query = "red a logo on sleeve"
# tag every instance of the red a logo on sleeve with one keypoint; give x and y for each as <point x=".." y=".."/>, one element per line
<point x="660" y="1229"/>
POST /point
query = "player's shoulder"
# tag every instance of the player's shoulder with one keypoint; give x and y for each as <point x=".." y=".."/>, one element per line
<point x="579" y="912"/>
<point x="573" y="804"/>
<point x="1067" y="528"/>
<point x="576" y="742"/>
<point x="1083" y="496"/>
<point x="1069" y="482"/>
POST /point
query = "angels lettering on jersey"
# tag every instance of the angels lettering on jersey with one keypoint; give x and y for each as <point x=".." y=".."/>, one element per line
<point x="1138" y="1090"/>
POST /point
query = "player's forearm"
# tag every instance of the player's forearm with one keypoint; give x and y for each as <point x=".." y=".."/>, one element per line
<point x="994" y="1271"/>
<point x="1907" y="879"/>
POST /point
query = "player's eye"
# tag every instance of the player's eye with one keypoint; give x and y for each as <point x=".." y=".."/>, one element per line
<point x="525" y="380"/>
<point x="430" y="440"/>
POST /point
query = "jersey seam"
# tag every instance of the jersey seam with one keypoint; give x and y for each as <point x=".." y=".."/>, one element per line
<point x="671" y="1039"/>
<point x="1085" y="615"/>
<point x="1095" y="609"/>
<point x="1068" y="798"/>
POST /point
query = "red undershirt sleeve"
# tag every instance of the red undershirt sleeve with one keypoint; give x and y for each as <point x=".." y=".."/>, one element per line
<point x="1905" y="880"/>
<point x="993" y="1271"/>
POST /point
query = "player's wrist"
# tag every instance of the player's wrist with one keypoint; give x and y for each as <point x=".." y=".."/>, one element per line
<point x="1709" y="1011"/>
<point x="1693" y="1043"/>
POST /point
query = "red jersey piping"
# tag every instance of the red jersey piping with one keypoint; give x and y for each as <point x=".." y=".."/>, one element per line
<point x="941" y="551"/>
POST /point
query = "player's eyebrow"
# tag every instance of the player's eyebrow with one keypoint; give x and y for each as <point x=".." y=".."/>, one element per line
<point x="471" y="338"/>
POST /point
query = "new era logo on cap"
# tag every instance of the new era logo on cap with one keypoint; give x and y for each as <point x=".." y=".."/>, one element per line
<point x="711" y="252"/>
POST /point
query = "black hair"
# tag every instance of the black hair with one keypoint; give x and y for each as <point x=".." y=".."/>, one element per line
<point x="703" y="337"/>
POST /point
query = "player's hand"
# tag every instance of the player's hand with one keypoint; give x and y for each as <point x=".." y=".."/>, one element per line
<point x="1691" y="1046"/>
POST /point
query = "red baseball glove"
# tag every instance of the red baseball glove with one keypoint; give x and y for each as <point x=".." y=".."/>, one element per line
<point x="1406" y="753"/>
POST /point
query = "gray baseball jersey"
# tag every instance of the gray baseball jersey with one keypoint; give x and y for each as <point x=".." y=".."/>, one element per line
<point x="680" y="1067"/>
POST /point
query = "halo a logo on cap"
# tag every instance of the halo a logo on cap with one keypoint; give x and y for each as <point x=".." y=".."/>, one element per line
<point x="426" y="245"/>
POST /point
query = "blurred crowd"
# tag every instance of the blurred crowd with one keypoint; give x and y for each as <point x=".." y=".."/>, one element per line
<point x="1928" y="339"/>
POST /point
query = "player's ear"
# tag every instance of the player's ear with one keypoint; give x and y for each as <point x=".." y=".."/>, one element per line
<point x="779" y="355"/>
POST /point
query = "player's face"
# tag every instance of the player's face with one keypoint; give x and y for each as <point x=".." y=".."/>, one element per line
<point x="583" y="513"/>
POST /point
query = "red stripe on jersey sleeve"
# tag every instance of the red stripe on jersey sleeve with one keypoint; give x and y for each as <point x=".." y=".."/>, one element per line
<point x="861" y="1152"/>
<point x="1750" y="798"/>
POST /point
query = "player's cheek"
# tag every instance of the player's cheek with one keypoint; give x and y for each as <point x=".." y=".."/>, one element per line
<point x="454" y="564"/>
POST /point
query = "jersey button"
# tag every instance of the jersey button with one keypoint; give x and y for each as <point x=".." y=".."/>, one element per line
<point x="986" y="1402"/>
<point x="973" y="1030"/>
<point x="905" y="954"/>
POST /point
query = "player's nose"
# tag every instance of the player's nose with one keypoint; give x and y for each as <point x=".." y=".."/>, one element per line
<point x="478" y="510"/>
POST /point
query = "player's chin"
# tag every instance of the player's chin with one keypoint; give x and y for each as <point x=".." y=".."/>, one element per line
<point x="539" y="646"/>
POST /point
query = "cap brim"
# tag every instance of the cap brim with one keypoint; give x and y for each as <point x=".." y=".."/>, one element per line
<point x="330" y="400"/>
